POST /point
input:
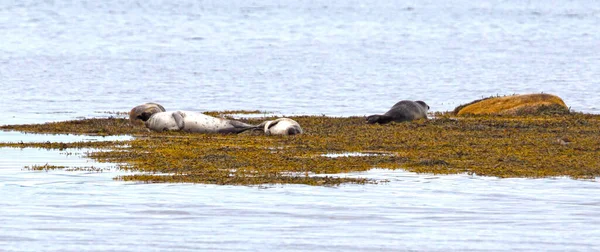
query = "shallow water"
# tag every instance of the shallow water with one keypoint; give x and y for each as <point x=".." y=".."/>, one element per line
<point x="64" y="60"/>
<point x="76" y="211"/>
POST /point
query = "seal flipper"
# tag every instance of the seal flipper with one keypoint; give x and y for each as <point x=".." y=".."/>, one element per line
<point x="273" y="123"/>
<point x="238" y="127"/>
<point x="381" y="119"/>
<point x="178" y="116"/>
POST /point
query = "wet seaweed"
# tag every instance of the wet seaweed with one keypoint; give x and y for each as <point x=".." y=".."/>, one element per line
<point x="544" y="145"/>
<point x="45" y="167"/>
<point x="94" y="126"/>
<point x="48" y="167"/>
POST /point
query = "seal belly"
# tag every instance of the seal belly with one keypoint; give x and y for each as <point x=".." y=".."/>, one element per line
<point x="201" y="123"/>
<point x="195" y="122"/>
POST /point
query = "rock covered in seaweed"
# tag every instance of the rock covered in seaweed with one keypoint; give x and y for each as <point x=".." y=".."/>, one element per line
<point x="527" y="104"/>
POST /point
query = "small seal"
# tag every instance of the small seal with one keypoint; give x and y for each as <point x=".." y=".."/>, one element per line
<point x="401" y="112"/>
<point x="190" y="121"/>
<point x="136" y="112"/>
<point x="281" y="126"/>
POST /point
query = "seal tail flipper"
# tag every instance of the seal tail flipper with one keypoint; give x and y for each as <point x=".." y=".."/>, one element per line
<point x="372" y="119"/>
<point x="238" y="127"/>
<point x="261" y="127"/>
<point x="381" y="119"/>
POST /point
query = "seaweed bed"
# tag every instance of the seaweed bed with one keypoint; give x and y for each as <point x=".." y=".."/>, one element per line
<point x="502" y="146"/>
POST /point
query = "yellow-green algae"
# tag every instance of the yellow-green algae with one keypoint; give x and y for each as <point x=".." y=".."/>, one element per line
<point x="515" y="105"/>
<point x="503" y="146"/>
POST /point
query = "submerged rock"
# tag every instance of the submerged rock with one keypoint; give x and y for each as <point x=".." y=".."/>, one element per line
<point x="529" y="104"/>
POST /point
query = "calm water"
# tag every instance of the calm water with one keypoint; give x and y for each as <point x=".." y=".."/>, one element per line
<point x="64" y="60"/>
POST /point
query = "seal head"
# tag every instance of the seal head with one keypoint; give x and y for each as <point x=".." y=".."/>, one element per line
<point x="141" y="113"/>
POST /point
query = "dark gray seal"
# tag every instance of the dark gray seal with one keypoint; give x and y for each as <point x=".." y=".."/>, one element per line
<point x="402" y="111"/>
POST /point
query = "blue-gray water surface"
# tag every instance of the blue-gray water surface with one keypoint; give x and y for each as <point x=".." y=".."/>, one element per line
<point x="70" y="59"/>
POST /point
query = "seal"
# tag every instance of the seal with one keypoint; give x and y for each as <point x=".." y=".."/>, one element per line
<point x="191" y="121"/>
<point x="136" y="112"/>
<point x="402" y="111"/>
<point x="281" y="126"/>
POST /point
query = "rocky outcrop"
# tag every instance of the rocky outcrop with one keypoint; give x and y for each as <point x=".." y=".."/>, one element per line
<point x="528" y="104"/>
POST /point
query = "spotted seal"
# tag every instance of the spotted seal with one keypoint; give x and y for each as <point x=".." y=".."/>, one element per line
<point x="401" y="112"/>
<point x="281" y="126"/>
<point x="191" y="121"/>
